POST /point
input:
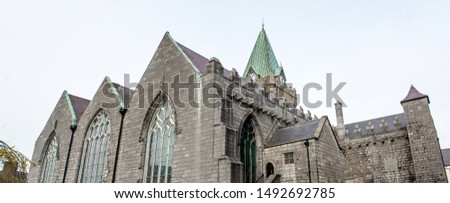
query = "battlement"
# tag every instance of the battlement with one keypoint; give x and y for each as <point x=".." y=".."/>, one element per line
<point x="375" y="126"/>
<point x="257" y="95"/>
<point x="274" y="108"/>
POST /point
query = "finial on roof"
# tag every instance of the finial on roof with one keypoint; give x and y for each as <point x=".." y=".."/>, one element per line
<point x="262" y="23"/>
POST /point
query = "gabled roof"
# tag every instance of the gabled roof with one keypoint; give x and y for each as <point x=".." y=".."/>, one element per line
<point x="414" y="94"/>
<point x="77" y="106"/>
<point x="262" y="61"/>
<point x="295" y="133"/>
<point x="199" y="61"/>
<point x="124" y="92"/>
<point x="446" y="156"/>
<point x="196" y="60"/>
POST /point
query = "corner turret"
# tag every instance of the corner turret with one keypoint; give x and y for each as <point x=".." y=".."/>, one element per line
<point x="423" y="140"/>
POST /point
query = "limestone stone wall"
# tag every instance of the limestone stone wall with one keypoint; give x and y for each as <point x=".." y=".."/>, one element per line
<point x="266" y="117"/>
<point x="290" y="173"/>
<point x="325" y="159"/>
<point x="59" y="122"/>
<point x="95" y="106"/>
<point x="199" y="136"/>
<point x="329" y="156"/>
<point x="207" y="138"/>
<point x="381" y="158"/>
<point x="424" y="144"/>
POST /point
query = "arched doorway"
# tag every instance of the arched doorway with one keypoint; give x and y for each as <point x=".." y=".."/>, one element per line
<point x="269" y="169"/>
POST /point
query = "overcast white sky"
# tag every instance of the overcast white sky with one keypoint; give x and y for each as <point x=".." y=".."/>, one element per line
<point x="378" y="47"/>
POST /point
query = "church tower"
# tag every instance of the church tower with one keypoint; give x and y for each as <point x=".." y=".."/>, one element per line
<point x="263" y="70"/>
<point x="262" y="62"/>
<point x="423" y="140"/>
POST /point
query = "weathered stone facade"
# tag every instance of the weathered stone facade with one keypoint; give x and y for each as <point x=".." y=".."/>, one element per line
<point x="288" y="144"/>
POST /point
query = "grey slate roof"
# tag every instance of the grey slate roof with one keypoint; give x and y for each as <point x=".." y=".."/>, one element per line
<point x="446" y="156"/>
<point x="79" y="105"/>
<point x="227" y="73"/>
<point x="352" y="128"/>
<point x="295" y="133"/>
<point x="124" y="92"/>
<point x="198" y="60"/>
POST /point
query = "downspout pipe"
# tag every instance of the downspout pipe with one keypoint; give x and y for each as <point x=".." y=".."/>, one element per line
<point x="72" y="128"/>
<point x="122" y="112"/>
<point x="309" y="162"/>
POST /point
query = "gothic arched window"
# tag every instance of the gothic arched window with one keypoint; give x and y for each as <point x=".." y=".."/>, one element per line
<point x="49" y="161"/>
<point x="248" y="151"/>
<point x="95" y="149"/>
<point x="160" y="139"/>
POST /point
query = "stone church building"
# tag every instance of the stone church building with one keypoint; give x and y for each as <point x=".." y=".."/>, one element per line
<point x="189" y="119"/>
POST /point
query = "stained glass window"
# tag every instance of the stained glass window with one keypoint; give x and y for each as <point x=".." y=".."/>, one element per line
<point x="248" y="151"/>
<point x="95" y="150"/>
<point x="160" y="139"/>
<point x="49" y="161"/>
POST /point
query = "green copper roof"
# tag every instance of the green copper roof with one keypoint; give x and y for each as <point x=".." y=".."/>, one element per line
<point x="71" y="109"/>
<point x="263" y="60"/>
<point x="113" y="88"/>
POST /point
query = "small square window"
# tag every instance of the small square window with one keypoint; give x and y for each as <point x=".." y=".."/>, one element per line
<point x="289" y="158"/>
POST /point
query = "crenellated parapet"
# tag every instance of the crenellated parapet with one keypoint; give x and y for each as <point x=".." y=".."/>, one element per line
<point x="277" y="102"/>
<point x="375" y="126"/>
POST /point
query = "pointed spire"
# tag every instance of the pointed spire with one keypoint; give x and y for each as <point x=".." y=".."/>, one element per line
<point x="262" y="61"/>
<point x="414" y="94"/>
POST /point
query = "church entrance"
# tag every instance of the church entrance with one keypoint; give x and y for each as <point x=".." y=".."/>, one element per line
<point x="269" y="169"/>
